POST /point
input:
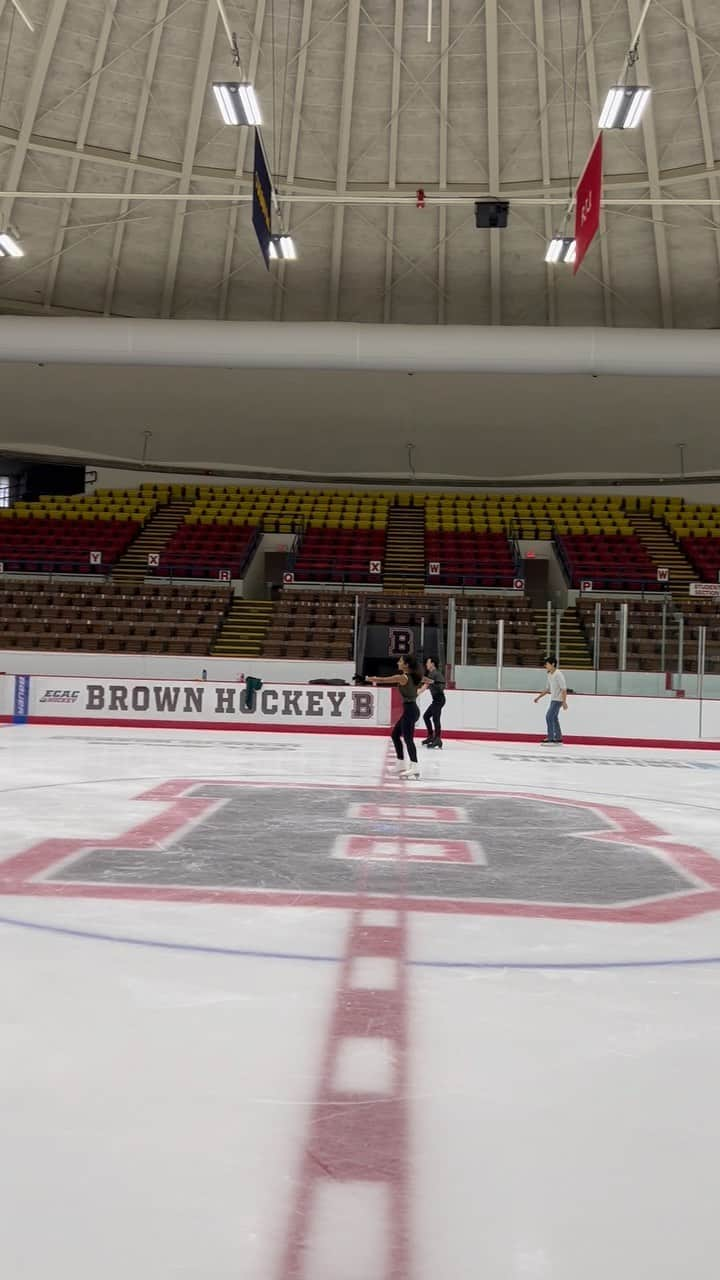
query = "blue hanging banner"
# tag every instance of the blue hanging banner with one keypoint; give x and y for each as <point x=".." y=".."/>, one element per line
<point x="262" y="201"/>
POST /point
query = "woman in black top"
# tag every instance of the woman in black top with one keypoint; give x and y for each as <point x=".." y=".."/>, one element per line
<point x="434" y="681"/>
<point x="408" y="682"/>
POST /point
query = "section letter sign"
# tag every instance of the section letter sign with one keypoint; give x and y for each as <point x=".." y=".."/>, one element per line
<point x="262" y="201"/>
<point x="588" y="197"/>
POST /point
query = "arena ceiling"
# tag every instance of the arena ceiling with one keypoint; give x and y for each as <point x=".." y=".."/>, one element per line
<point x="112" y="97"/>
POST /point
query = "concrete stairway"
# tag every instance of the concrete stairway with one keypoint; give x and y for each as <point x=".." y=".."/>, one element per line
<point x="404" y="563"/>
<point x="664" y="552"/>
<point x="244" y="629"/>
<point x="574" y="650"/>
<point x="133" y="565"/>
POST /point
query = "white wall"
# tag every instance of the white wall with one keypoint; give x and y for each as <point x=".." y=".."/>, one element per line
<point x="253" y="586"/>
<point x="627" y="718"/>
<point x="165" y="667"/>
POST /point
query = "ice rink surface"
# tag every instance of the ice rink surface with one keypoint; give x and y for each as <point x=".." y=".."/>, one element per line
<point x="267" y="1013"/>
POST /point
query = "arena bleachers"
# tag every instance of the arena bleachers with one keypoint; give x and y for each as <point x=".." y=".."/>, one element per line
<point x="696" y="527"/>
<point x="469" y="559"/>
<point x="73" y="534"/>
<point x="339" y="537"/>
<point x="524" y="516"/>
<point x="612" y="562"/>
<point x="111" y="618"/>
<point x="203" y="550"/>
<point x="645" y="648"/>
<point x="340" y="555"/>
<point x="305" y="625"/>
<point x="288" y="510"/>
<point x="522" y="646"/>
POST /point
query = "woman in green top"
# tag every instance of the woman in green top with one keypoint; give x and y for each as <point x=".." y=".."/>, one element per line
<point x="407" y="682"/>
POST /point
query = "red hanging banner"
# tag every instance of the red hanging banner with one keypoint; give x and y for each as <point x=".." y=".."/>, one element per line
<point x="588" y="197"/>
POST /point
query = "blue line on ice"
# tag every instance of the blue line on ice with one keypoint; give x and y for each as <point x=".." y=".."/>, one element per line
<point x="252" y="954"/>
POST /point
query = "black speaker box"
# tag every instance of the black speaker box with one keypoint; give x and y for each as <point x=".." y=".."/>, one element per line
<point x="491" y="213"/>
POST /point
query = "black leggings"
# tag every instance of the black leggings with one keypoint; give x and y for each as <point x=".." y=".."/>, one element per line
<point x="432" y="716"/>
<point x="404" y="731"/>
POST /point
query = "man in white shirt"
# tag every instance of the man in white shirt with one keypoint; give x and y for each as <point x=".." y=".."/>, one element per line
<point x="557" y="688"/>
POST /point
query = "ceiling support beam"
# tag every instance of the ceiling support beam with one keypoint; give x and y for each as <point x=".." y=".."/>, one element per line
<point x="88" y="105"/>
<point x="393" y="156"/>
<point x="241" y="160"/>
<point x="138" y="130"/>
<point x="493" y="105"/>
<point x="366" y="198"/>
<point x="54" y="17"/>
<point x="651" y="153"/>
<point x="702" y="106"/>
<point x="200" y="89"/>
<point x="343" y="152"/>
<point x="443" y="166"/>
<point x="550" y="291"/>
<point x="281" y="268"/>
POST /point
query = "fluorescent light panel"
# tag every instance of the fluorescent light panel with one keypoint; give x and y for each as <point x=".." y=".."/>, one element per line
<point x="561" y="249"/>
<point x="624" y="106"/>
<point x="9" y="247"/>
<point x="250" y="104"/>
<point x="282" y="247"/>
<point x="238" y="103"/>
<point x="287" y="248"/>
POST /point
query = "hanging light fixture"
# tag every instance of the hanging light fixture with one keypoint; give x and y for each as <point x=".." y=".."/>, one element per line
<point x="238" y="103"/>
<point x="282" y="248"/>
<point x="561" y="249"/>
<point x="624" y="106"/>
<point x="10" y="246"/>
<point x="625" y="103"/>
<point x="235" y="98"/>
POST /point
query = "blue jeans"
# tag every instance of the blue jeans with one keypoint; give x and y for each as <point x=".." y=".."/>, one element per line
<point x="552" y="721"/>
